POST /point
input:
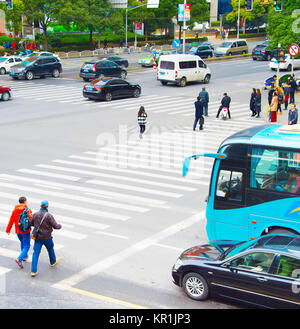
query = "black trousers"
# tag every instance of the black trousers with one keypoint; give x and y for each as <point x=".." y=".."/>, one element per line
<point x="142" y="129"/>
<point x="201" y="121"/>
<point x="220" y="109"/>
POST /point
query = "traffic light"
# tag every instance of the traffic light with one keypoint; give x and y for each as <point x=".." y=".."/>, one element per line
<point x="281" y="55"/>
<point x="249" y="5"/>
<point x="9" y="4"/>
<point x="278" y="5"/>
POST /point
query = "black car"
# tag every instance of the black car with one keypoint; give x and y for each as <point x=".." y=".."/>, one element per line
<point x="110" y="88"/>
<point x="261" y="52"/>
<point x="118" y="60"/>
<point x="98" y="69"/>
<point x="263" y="272"/>
<point x="204" y="51"/>
<point x="36" y="67"/>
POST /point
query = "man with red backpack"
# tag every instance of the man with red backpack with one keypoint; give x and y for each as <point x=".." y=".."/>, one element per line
<point x="21" y="217"/>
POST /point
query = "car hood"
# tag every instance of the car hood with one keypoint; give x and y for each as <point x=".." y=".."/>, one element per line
<point x="211" y="251"/>
<point x="147" y="57"/>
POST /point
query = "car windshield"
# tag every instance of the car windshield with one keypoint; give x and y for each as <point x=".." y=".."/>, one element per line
<point x="240" y="247"/>
<point x="3" y="59"/>
<point x="35" y="54"/>
<point x="88" y="66"/>
<point x="226" y="44"/>
<point x="193" y="49"/>
<point x="259" y="47"/>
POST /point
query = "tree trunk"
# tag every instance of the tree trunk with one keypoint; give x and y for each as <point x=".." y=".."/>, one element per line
<point x="45" y="37"/>
<point x="99" y="39"/>
<point x="91" y="39"/>
<point x="146" y="31"/>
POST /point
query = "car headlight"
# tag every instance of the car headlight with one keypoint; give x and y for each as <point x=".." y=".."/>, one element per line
<point x="178" y="263"/>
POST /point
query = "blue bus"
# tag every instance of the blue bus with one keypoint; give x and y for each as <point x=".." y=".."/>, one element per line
<point x="255" y="184"/>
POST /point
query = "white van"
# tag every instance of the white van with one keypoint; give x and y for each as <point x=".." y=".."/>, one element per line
<point x="181" y="69"/>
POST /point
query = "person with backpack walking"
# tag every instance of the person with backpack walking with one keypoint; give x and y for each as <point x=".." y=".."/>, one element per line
<point x="142" y="118"/>
<point x="43" y="223"/>
<point x="21" y="217"/>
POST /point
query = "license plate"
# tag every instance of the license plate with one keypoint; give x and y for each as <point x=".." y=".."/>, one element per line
<point x="85" y="70"/>
<point x="12" y="73"/>
<point x="89" y="88"/>
<point x="162" y="73"/>
<point x="257" y="53"/>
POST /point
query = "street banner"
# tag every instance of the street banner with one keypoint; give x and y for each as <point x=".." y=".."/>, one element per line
<point x="184" y="12"/>
<point x="152" y="3"/>
<point x="119" y="3"/>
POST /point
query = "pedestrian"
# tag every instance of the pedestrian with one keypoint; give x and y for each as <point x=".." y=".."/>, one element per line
<point x="270" y="94"/>
<point x="222" y="35"/>
<point x="105" y="44"/>
<point x="13" y="46"/>
<point x="293" y="115"/>
<point x="274" y="107"/>
<point x="293" y="87"/>
<point x="121" y="42"/>
<point x="205" y="100"/>
<point x="280" y="94"/>
<point x="23" y="233"/>
<point x="252" y="102"/>
<point x="286" y="92"/>
<point x="198" y="114"/>
<point x="258" y="102"/>
<point x="226" y="33"/>
<point x="225" y="102"/>
<point x="142" y="118"/>
<point x="44" y="223"/>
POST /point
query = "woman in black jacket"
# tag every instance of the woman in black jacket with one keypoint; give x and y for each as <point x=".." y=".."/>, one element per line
<point x="252" y="102"/>
<point x="258" y="102"/>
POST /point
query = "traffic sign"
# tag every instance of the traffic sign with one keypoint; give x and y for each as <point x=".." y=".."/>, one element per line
<point x="294" y="50"/>
<point x="154" y="54"/>
<point x="176" y="43"/>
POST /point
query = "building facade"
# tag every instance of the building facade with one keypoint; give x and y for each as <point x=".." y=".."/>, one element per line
<point x="218" y="8"/>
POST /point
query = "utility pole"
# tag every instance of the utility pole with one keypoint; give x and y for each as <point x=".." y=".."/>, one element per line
<point x="184" y="30"/>
<point x="238" y="22"/>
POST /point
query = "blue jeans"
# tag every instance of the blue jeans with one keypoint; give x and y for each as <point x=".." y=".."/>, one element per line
<point x="205" y="109"/>
<point x="38" y="244"/>
<point x="25" y="245"/>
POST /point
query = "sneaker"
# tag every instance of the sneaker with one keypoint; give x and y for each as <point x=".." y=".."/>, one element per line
<point x="33" y="274"/>
<point x="57" y="260"/>
<point x="19" y="262"/>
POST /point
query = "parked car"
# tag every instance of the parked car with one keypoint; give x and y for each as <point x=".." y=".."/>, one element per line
<point x="206" y="43"/>
<point x="118" y="60"/>
<point x="148" y="60"/>
<point x="229" y="48"/>
<point x="180" y="50"/>
<point x="7" y="62"/>
<point x="111" y="88"/>
<point x="5" y="93"/>
<point x="297" y="78"/>
<point x="92" y="70"/>
<point x="36" y="67"/>
<point x="261" y="52"/>
<point x="204" y="51"/>
<point x="262" y="272"/>
<point x="42" y="54"/>
<point x="181" y="69"/>
<point x="286" y="64"/>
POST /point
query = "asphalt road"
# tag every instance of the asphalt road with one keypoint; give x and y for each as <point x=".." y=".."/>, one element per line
<point x="125" y="209"/>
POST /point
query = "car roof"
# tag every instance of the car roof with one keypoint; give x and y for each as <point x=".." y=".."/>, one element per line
<point x="173" y="57"/>
<point x="281" y="243"/>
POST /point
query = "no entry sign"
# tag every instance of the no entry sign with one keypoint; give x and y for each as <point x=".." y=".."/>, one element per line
<point x="294" y="50"/>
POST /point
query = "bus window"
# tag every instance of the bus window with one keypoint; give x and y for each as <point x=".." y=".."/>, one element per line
<point x="230" y="185"/>
<point x="277" y="170"/>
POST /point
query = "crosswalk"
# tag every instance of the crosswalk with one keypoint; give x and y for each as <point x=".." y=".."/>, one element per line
<point x="96" y="191"/>
<point x="156" y="104"/>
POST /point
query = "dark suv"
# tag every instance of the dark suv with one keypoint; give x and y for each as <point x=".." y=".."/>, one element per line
<point x="98" y="69"/>
<point x="261" y="52"/>
<point x="36" y="67"/>
<point x="204" y="51"/>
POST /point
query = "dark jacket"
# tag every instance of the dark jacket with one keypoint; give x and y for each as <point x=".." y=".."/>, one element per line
<point x="225" y="102"/>
<point x="198" y="109"/>
<point x="257" y="103"/>
<point x="293" y="117"/>
<point x="204" y="96"/>
<point x="47" y="226"/>
<point x="270" y="95"/>
<point x="252" y="101"/>
<point x="293" y="86"/>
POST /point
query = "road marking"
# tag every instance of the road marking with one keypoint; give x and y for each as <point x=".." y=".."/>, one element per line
<point x="129" y="252"/>
<point x="113" y="235"/>
<point x="102" y="297"/>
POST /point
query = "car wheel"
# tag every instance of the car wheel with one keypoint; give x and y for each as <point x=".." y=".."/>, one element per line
<point x="5" y="96"/>
<point x="207" y="78"/>
<point x="29" y="75"/>
<point x="123" y="75"/>
<point x="229" y="54"/>
<point x="254" y="58"/>
<point x="289" y="68"/>
<point x="195" y="286"/>
<point x="108" y="96"/>
<point x="164" y="83"/>
<point x="55" y="73"/>
<point x="136" y="93"/>
<point x="86" y="79"/>
<point x="244" y="52"/>
<point x="269" y="58"/>
<point x="2" y="71"/>
<point x="182" y="82"/>
<point x="209" y="56"/>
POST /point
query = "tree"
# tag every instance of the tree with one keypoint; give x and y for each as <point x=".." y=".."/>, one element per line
<point x="13" y="17"/>
<point x="44" y="13"/>
<point x="284" y="26"/>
